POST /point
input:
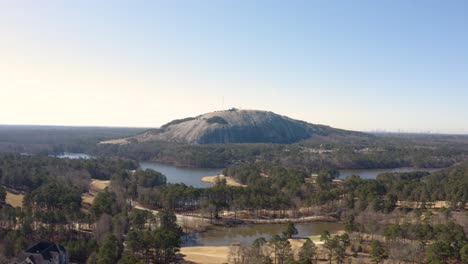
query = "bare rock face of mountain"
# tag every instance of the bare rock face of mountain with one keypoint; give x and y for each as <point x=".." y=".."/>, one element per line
<point x="235" y="126"/>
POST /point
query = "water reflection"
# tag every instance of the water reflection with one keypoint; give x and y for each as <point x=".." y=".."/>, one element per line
<point x="246" y="234"/>
<point x="189" y="176"/>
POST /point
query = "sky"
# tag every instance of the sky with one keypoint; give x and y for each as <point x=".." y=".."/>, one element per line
<point x="363" y="65"/>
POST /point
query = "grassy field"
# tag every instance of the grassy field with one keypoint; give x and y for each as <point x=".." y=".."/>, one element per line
<point x="219" y="254"/>
<point x="206" y="255"/>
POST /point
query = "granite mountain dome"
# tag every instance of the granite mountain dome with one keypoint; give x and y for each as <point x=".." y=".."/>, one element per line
<point x="235" y="126"/>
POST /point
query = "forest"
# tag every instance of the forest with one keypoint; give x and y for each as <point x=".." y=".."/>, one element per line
<point x="57" y="139"/>
<point x="53" y="210"/>
<point x="339" y="152"/>
<point x="379" y="151"/>
<point x="396" y="217"/>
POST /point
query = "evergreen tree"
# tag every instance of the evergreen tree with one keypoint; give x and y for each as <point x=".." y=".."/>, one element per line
<point x="308" y="252"/>
<point x="438" y="252"/>
<point x="464" y="254"/>
<point x="290" y="230"/>
<point x="108" y="251"/>
<point x="3" y="194"/>
<point x="377" y="252"/>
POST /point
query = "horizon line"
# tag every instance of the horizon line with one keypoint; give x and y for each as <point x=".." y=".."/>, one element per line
<point x="155" y="127"/>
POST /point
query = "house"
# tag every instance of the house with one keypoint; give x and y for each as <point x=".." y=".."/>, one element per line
<point x="44" y="252"/>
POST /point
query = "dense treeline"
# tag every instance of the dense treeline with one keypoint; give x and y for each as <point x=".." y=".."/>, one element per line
<point x="274" y="187"/>
<point x="25" y="172"/>
<point x="159" y="244"/>
<point x="319" y="152"/>
<point x="52" y="211"/>
<point x="380" y="151"/>
<point x="57" y="139"/>
<point x="269" y="187"/>
<point x="267" y="173"/>
<point x="113" y="231"/>
<point x="409" y="237"/>
<point x="54" y="196"/>
<point x="207" y="156"/>
<point x="445" y="185"/>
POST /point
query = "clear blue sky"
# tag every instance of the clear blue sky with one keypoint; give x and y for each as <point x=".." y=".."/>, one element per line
<point x="362" y="65"/>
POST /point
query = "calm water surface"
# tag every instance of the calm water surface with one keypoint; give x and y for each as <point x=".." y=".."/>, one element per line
<point x="189" y="176"/>
<point x="246" y="234"/>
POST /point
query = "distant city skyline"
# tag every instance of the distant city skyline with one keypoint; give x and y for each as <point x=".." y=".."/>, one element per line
<point x="366" y="66"/>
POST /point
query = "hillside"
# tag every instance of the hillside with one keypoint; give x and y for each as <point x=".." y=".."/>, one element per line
<point x="236" y="126"/>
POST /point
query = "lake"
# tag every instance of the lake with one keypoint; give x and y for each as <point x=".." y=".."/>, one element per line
<point x="246" y="234"/>
<point x="191" y="176"/>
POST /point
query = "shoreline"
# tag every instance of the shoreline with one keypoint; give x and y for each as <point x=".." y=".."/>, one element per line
<point x="189" y="165"/>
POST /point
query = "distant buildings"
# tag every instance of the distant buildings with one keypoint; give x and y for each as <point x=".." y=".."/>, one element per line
<point x="44" y="252"/>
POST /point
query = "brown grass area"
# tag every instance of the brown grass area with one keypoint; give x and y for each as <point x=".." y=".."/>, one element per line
<point x="219" y="254"/>
<point x="296" y="245"/>
<point x="15" y="200"/>
<point x="87" y="198"/>
<point x="229" y="180"/>
<point x="98" y="185"/>
<point x="433" y="205"/>
<point x="94" y="187"/>
<point x="206" y="255"/>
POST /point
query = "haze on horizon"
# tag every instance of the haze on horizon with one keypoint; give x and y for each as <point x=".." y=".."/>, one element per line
<point x="387" y="65"/>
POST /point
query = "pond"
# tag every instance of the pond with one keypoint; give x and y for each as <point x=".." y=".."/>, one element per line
<point x="246" y="234"/>
<point x="189" y="176"/>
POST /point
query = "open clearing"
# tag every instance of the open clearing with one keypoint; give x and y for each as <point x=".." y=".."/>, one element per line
<point x="15" y="200"/>
<point x="94" y="187"/>
<point x="98" y="185"/>
<point x="229" y="180"/>
<point x="219" y="254"/>
<point x="206" y="255"/>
